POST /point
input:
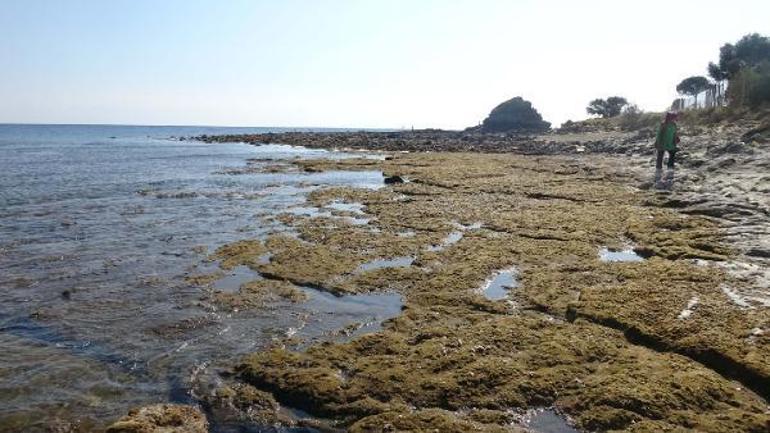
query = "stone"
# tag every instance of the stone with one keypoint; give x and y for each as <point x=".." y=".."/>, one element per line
<point x="390" y="180"/>
<point x="161" y="418"/>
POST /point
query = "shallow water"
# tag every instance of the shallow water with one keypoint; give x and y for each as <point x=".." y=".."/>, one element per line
<point x="395" y="262"/>
<point x="97" y="235"/>
<point x="625" y="255"/>
<point x="547" y="421"/>
<point x="234" y="279"/>
<point x="356" y="208"/>
<point x="452" y="238"/>
<point x="498" y="287"/>
<point x="343" y="317"/>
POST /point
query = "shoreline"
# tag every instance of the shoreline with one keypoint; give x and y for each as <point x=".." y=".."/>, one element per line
<point x="610" y="346"/>
<point x="440" y="141"/>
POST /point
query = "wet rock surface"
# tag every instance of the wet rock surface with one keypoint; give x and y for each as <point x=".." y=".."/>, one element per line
<point x="162" y="418"/>
<point x="606" y="343"/>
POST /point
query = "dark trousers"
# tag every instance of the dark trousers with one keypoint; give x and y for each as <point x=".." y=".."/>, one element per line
<point x="659" y="160"/>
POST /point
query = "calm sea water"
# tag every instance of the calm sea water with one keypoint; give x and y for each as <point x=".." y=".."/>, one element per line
<point x="99" y="226"/>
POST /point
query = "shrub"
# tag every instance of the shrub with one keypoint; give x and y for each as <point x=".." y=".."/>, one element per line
<point x="606" y="108"/>
<point x="633" y="118"/>
<point x="750" y="86"/>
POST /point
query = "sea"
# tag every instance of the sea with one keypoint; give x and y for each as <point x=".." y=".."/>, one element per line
<point x="100" y="228"/>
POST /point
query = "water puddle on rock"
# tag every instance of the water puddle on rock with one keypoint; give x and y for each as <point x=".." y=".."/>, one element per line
<point x="472" y="226"/>
<point x="396" y="262"/>
<point x="356" y="208"/>
<point x="315" y="212"/>
<point x="321" y="317"/>
<point x="234" y="279"/>
<point x="312" y="212"/>
<point x="451" y="239"/>
<point x="546" y="421"/>
<point x="357" y="221"/>
<point x="498" y="287"/>
<point x="624" y="255"/>
<point x="340" y="318"/>
<point x="325" y="314"/>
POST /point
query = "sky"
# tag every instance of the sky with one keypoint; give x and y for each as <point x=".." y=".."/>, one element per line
<point x="350" y="63"/>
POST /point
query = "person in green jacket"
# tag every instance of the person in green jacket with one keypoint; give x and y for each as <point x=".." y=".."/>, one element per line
<point x="666" y="141"/>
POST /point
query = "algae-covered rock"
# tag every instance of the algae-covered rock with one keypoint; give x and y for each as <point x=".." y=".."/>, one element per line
<point x="161" y="418"/>
<point x="307" y="264"/>
<point x="245" y="403"/>
<point x="256" y="293"/>
<point x="424" y="421"/>
<point x="247" y="253"/>
<point x="606" y="343"/>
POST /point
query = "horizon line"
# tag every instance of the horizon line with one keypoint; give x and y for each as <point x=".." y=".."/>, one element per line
<point x="207" y="126"/>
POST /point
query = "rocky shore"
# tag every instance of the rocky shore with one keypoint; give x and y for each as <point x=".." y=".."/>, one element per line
<point x="439" y="141"/>
<point x="672" y="333"/>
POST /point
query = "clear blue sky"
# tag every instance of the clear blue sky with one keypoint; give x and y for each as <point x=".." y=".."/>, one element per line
<point x="393" y="63"/>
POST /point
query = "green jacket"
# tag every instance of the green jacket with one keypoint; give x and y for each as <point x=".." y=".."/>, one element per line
<point x="666" y="138"/>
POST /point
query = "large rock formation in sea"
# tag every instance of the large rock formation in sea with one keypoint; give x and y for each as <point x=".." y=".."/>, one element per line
<point x="513" y="115"/>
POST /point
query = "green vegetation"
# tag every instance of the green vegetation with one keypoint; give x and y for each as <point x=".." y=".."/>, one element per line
<point x="746" y="67"/>
<point x="606" y="108"/>
<point x="749" y="52"/>
<point x="634" y="119"/>
<point x="750" y="87"/>
<point x="693" y="86"/>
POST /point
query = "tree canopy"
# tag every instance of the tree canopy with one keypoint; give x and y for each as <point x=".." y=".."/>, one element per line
<point x="515" y="115"/>
<point x="693" y="85"/>
<point x="609" y="107"/>
<point x="750" y="51"/>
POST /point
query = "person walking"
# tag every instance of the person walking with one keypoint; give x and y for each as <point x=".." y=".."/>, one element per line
<point x="666" y="140"/>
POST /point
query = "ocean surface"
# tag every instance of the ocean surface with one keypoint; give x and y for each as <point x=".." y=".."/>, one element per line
<point x="99" y="228"/>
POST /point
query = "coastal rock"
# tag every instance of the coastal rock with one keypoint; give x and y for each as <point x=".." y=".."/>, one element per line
<point x="731" y="147"/>
<point x="514" y="115"/>
<point x="452" y="348"/>
<point x="760" y="134"/>
<point x="161" y="418"/>
<point x="393" y="180"/>
<point x="428" y="420"/>
<point x="241" y="402"/>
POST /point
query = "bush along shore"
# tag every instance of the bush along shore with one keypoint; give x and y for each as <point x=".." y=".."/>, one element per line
<point x="636" y="302"/>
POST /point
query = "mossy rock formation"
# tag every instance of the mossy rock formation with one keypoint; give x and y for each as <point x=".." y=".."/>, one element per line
<point x="605" y="343"/>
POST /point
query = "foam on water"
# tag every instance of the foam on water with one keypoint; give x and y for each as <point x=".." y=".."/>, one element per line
<point x="625" y="255"/>
<point x="356" y="208"/>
